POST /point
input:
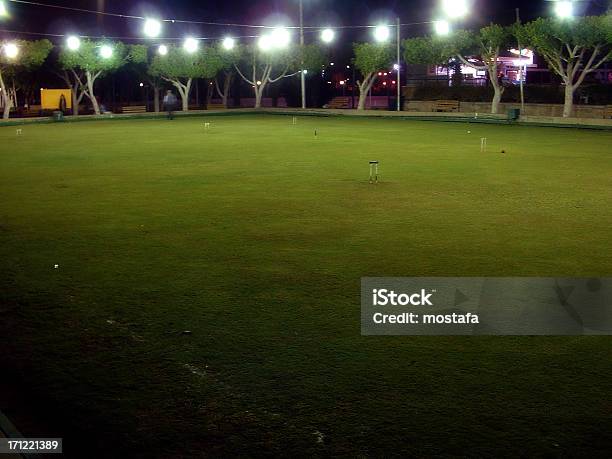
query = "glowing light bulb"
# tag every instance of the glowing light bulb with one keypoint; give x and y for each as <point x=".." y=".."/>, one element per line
<point x="152" y="28"/>
<point x="328" y="35"/>
<point x="73" y="43"/>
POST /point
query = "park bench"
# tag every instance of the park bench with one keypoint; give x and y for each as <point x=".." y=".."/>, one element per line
<point x="446" y="106"/>
<point x="216" y="107"/>
<point x="340" y="102"/>
<point x="32" y="111"/>
<point x="608" y="112"/>
<point x="134" y="109"/>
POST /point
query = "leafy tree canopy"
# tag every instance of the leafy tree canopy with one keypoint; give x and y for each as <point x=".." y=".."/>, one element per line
<point x="32" y="54"/>
<point x="88" y="58"/>
<point x="371" y="57"/>
<point x="178" y="63"/>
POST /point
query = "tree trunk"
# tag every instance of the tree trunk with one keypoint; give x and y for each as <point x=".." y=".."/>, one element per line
<point x="90" y="93"/>
<point x="156" y="105"/>
<point x="499" y="90"/>
<point x="258" y="95"/>
<point x="75" y="100"/>
<point x="227" y="84"/>
<point x="363" y="97"/>
<point x="568" y="108"/>
<point x="364" y="89"/>
<point x="5" y="99"/>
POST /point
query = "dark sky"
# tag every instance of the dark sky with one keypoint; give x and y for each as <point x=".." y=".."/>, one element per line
<point x="317" y="12"/>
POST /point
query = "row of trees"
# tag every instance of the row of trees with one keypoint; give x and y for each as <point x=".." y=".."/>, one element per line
<point x="572" y="49"/>
<point x="81" y="68"/>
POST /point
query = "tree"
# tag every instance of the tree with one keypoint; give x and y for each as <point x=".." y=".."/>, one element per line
<point x="229" y="58"/>
<point x="369" y="59"/>
<point x="486" y="45"/>
<point x="73" y="79"/>
<point x="89" y="60"/>
<point x="180" y="67"/>
<point x="572" y="49"/>
<point x="30" y="55"/>
<point x="263" y="67"/>
<point x="141" y="60"/>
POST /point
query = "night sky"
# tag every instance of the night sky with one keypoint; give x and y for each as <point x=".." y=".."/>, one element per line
<point x="317" y="12"/>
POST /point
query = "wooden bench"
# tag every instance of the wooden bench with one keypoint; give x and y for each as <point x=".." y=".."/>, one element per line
<point x="608" y="112"/>
<point x="134" y="109"/>
<point x="216" y="107"/>
<point x="446" y="106"/>
<point x="33" y="111"/>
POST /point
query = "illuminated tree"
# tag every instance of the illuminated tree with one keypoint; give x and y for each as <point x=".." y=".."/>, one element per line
<point x="92" y="60"/>
<point x="24" y="55"/>
<point x="261" y="68"/>
<point x="369" y="59"/>
<point x="478" y="50"/>
<point x="179" y="67"/>
<point x="572" y="48"/>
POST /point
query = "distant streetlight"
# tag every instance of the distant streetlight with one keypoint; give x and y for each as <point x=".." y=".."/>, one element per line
<point x="152" y="28"/>
<point x="162" y="50"/>
<point x="106" y="52"/>
<point x="382" y="33"/>
<point x="327" y="35"/>
<point x="442" y="27"/>
<point x="455" y="9"/>
<point x="73" y="43"/>
<point x="229" y="43"/>
<point x="191" y="45"/>
<point x="11" y="50"/>
<point x="564" y="9"/>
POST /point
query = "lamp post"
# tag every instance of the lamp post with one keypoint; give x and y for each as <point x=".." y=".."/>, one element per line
<point x="522" y="74"/>
<point x="398" y="65"/>
<point x="302" y="74"/>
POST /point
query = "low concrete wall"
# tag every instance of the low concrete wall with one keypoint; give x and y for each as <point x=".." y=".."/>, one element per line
<point x="549" y="110"/>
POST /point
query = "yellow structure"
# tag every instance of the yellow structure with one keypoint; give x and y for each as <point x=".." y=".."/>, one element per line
<point x="50" y="98"/>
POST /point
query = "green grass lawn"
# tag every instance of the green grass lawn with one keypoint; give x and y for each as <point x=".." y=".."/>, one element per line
<point x="253" y="236"/>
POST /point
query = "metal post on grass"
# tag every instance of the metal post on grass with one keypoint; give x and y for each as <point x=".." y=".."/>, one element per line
<point x="373" y="171"/>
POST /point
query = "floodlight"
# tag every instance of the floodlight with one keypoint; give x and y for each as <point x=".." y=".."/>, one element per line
<point x="152" y="28"/>
<point x="106" y="52"/>
<point x="141" y="85"/>
<point x="3" y="9"/>
<point x="191" y="45"/>
<point x="396" y="67"/>
<point x="11" y="50"/>
<point x="564" y="9"/>
<point x="162" y="50"/>
<point x="327" y="35"/>
<point x="442" y="27"/>
<point x="229" y="43"/>
<point x="455" y="9"/>
<point x="382" y="33"/>
<point x="73" y="42"/>
<point x="280" y="37"/>
<point x="265" y="43"/>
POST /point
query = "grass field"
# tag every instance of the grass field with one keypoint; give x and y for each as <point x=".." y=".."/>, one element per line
<point x="253" y="236"/>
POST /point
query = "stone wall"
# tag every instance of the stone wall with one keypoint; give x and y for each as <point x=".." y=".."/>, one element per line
<point x="547" y="110"/>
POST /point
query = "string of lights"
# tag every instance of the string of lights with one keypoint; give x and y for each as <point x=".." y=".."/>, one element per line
<point x="101" y="37"/>
<point x="208" y="23"/>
